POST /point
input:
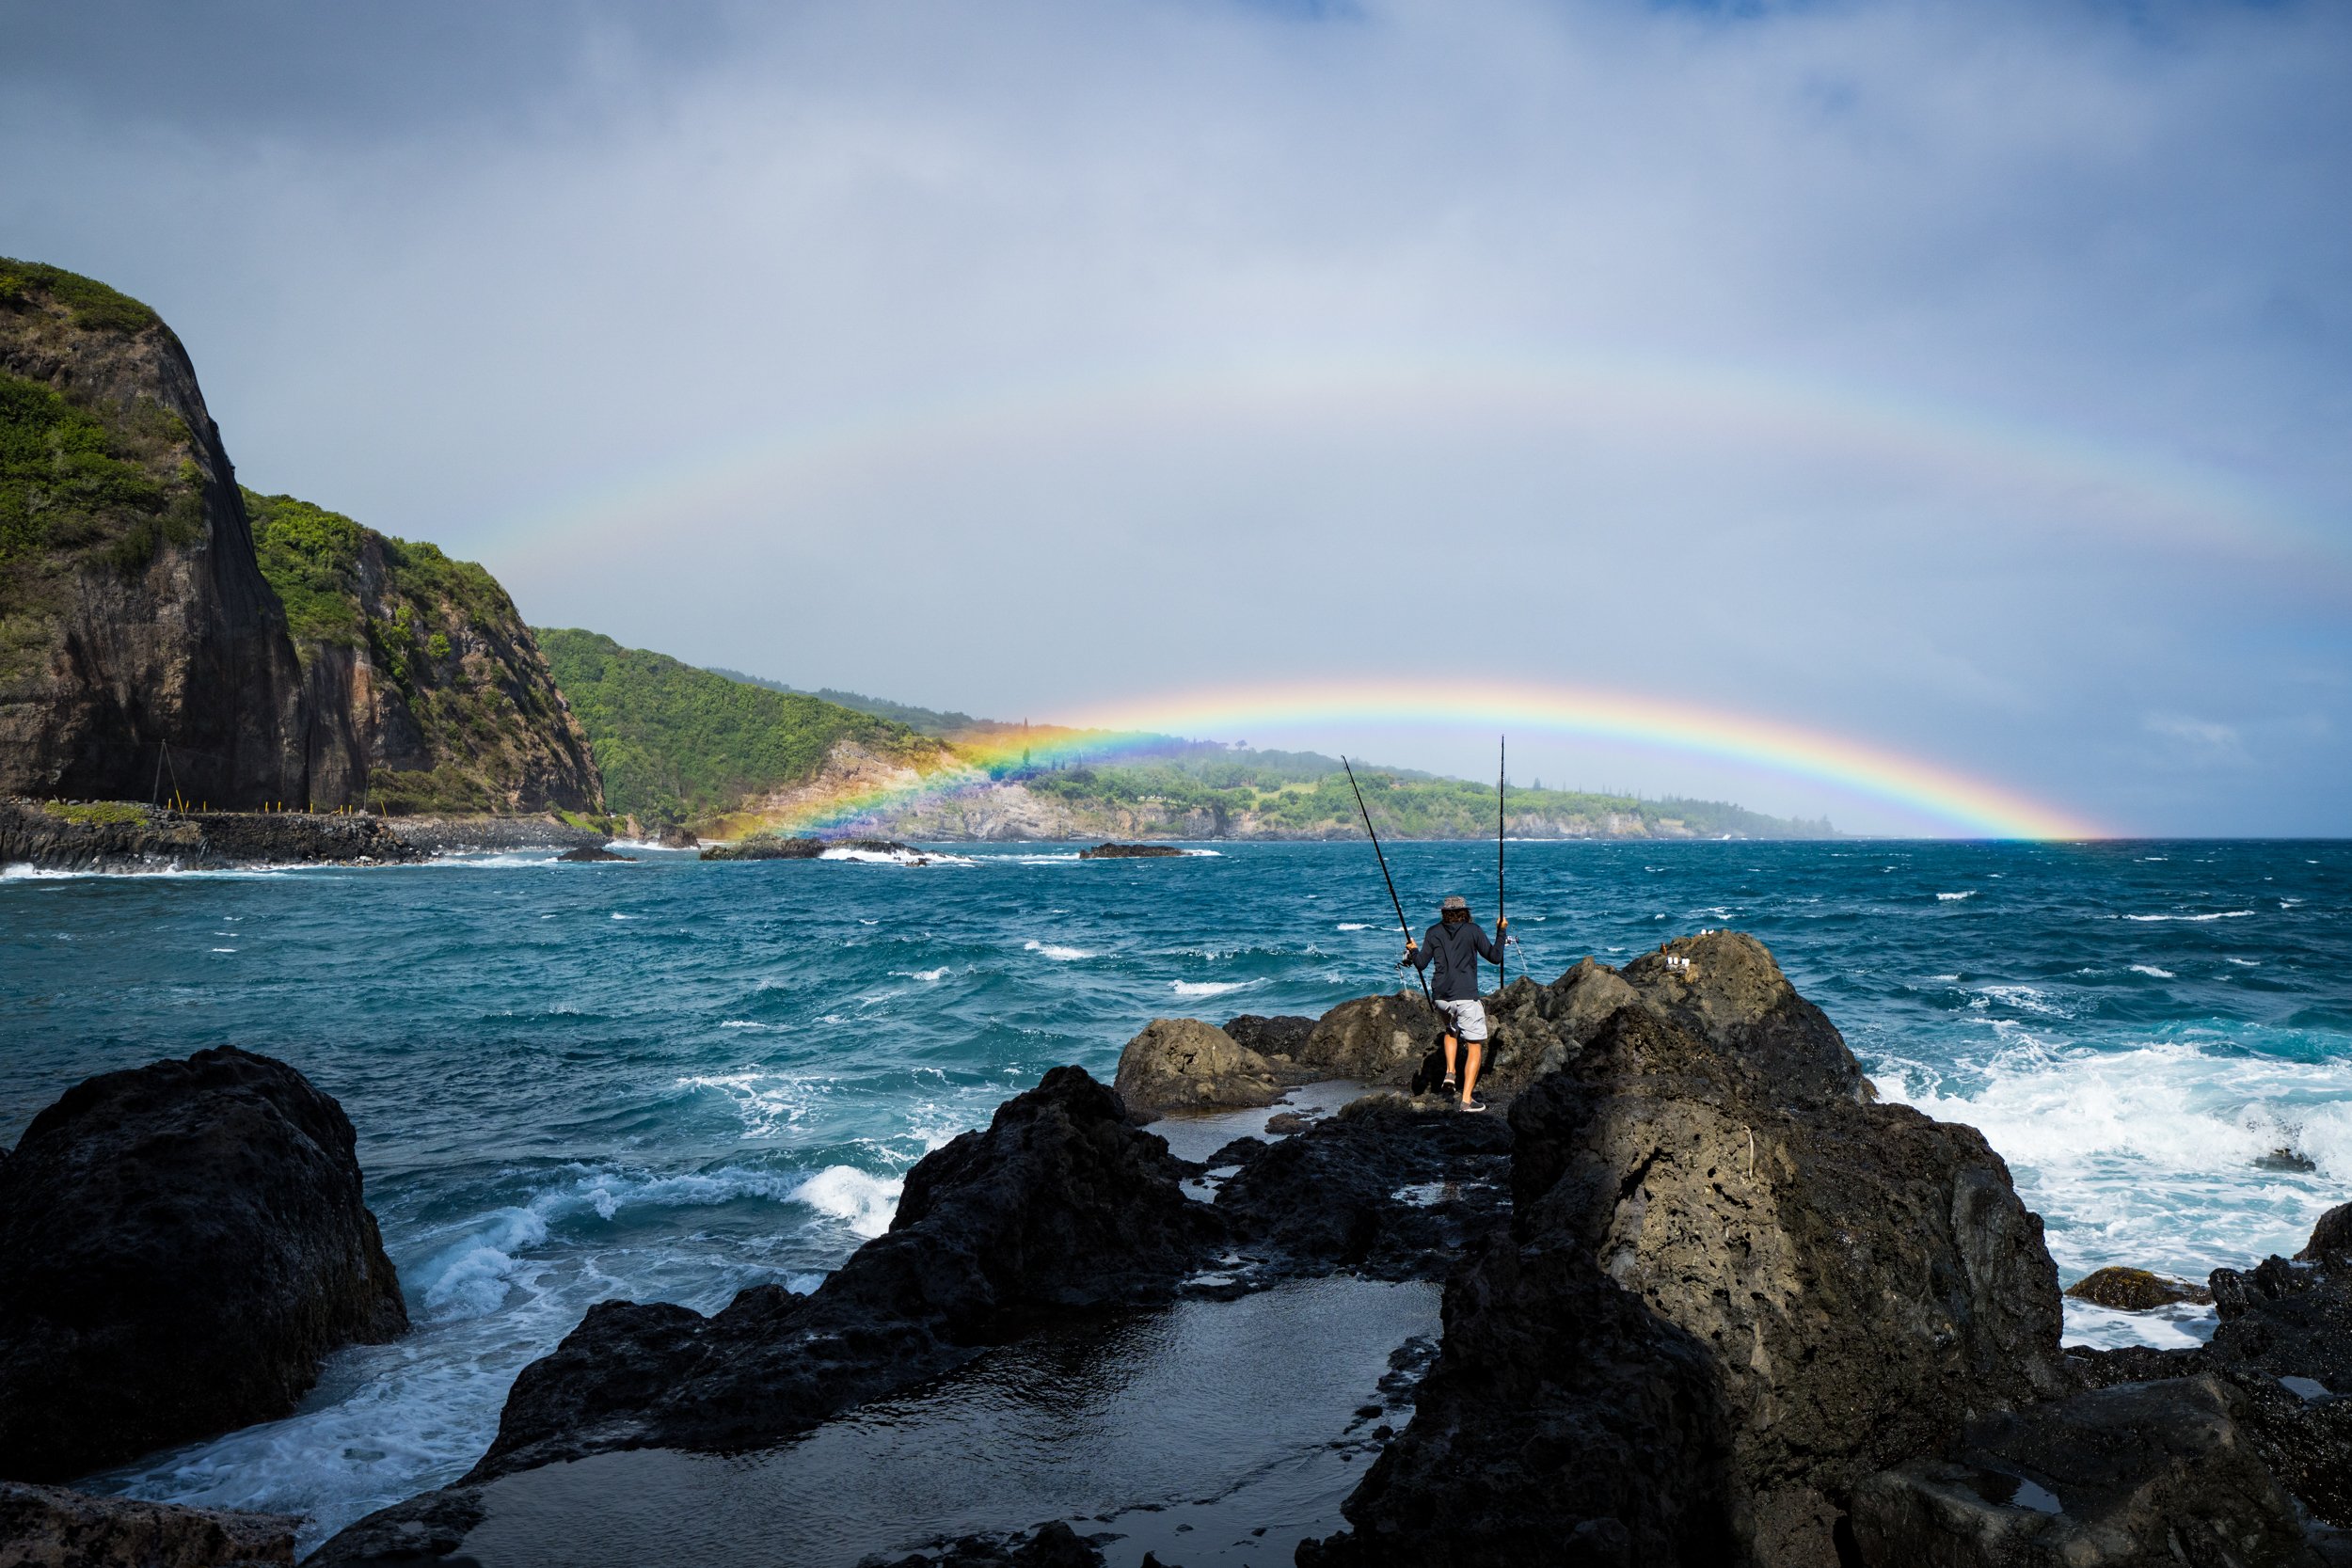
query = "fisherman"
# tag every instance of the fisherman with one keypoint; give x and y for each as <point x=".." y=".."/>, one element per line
<point x="1456" y="944"/>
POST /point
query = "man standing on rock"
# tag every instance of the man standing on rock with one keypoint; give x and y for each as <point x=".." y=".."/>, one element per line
<point x="1457" y="944"/>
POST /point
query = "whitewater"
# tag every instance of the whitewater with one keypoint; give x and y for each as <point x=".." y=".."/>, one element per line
<point x="672" y="1079"/>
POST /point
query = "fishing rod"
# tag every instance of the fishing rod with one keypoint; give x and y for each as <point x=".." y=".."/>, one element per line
<point x="1394" y="899"/>
<point x="1503" y="949"/>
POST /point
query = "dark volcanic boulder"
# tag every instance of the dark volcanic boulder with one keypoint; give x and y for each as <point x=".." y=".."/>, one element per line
<point x="1706" y="1177"/>
<point x="1129" y="852"/>
<point x="592" y="852"/>
<point x="1181" y="1064"/>
<point x="1058" y="1206"/>
<point x="1390" y="1187"/>
<point x="1281" y="1040"/>
<point x="179" y="1245"/>
<point x="761" y="846"/>
<point x="1374" y="1040"/>
<point x="2137" y="1474"/>
<point x="45" y="1526"/>
<point x="2134" y="1290"/>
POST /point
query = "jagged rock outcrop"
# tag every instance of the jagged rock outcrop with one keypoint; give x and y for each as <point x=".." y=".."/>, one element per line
<point x="2285" y="1345"/>
<point x="1279" y="1039"/>
<point x="424" y="689"/>
<point x="2134" y="1290"/>
<point x="115" y="836"/>
<point x="179" y="1245"/>
<point x="139" y="646"/>
<point x="2141" y="1473"/>
<point x="767" y="847"/>
<point x="1130" y="852"/>
<point x="1181" y="1064"/>
<point x="1060" y="1205"/>
<point x="164" y="634"/>
<point x="1777" y="1287"/>
<point x="46" y="1526"/>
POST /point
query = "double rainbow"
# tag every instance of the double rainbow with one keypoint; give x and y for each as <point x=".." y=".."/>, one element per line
<point x="1963" y="805"/>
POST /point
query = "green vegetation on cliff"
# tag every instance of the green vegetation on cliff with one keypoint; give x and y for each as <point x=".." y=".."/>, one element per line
<point x="471" y="719"/>
<point x="90" y="305"/>
<point x="674" y="741"/>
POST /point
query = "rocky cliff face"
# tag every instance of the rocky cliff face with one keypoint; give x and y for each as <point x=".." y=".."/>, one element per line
<point x="138" y="641"/>
<point x="164" y="633"/>
<point x="425" y="691"/>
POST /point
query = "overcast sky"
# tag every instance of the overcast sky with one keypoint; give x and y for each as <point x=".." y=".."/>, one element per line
<point x="1970" y="379"/>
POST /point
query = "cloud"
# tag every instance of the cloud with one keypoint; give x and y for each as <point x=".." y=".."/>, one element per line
<point x="2200" y="741"/>
<point x="1969" y="379"/>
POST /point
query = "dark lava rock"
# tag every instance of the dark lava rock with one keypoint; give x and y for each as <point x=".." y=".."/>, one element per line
<point x="594" y="852"/>
<point x="425" y="1528"/>
<point x="44" y="1526"/>
<point x="179" y="1245"/>
<point x="2135" y="1289"/>
<point x="1383" y="1188"/>
<point x="763" y="847"/>
<point x="1060" y="1205"/>
<point x="1280" y="1041"/>
<point x="1129" y="852"/>
<point x="1732" y="1288"/>
<point x="1181" y="1064"/>
<point x="1372" y="1039"/>
<point x="674" y="835"/>
<point x="1050" y="1545"/>
<point x="2285" y="1343"/>
<point x="113" y="836"/>
<point x="2140" y="1473"/>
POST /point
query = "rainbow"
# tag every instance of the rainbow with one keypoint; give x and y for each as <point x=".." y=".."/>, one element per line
<point x="1968" y="806"/>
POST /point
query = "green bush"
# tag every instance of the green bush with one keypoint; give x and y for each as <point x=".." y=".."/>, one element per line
<point x="94" y="307"/>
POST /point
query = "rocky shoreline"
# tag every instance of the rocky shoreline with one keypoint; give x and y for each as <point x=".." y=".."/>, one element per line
<point x="1705" y="1301"/>
<point x="126" y="836"/>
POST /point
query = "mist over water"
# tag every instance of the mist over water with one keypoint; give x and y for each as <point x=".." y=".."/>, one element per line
<point x="671" y="1080"/>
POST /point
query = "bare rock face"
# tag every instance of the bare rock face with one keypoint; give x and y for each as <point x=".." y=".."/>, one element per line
<point x="2138" y="1473"/>
<point x="2134" y="1290"/>
<point x="142" y="648"/>
<point x="1375" y="1039"/>
<point x="1060" y="1205"/>
<point x="1181" y="1064"/>
<point x="179" y="1245"/>
<point x="44" y="1526"/>
<point x="1281" y="1040"/>
<point x="1830" y="1286"/>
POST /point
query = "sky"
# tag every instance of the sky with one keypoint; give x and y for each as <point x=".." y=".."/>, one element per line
<point x="1966" y="380"/>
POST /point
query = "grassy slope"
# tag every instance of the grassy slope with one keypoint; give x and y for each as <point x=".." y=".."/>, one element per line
<point x="675" y="742"/>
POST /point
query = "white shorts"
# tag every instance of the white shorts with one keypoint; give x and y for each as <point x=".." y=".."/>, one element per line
<point x="1469" y="1020"/>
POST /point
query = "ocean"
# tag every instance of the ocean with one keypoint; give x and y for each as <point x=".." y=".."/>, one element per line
<point x="670" y="1079"/>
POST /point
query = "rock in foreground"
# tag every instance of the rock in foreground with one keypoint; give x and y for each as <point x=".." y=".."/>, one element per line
<point x="1181" y="1064"/>
<point x="179" y="1245"/>
<point x="1058" y="1206"/>
<point x="1732" y="1288"/>
<point x="44" y="1526"/>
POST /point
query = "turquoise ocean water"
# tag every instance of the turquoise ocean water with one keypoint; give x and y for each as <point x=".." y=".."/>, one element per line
<point x="673" y="1079"/>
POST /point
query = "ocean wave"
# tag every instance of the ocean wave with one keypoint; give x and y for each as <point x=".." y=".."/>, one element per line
<point x="896" y="857"/>
<point x="2154" y="972"/>
<point x="1955" y="897"/>
<point x="2025" y="999"/>
<point x="860" y="1200"/>
<point x="2192" y="919"/>
<point x="1060" y="955"/>
<point x="1209" y="987"/>
<point x="1354" y="926"/>
<point x="929" y="976"/>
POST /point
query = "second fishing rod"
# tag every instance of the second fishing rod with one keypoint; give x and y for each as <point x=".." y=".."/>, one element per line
<point x="1402" y="924"/>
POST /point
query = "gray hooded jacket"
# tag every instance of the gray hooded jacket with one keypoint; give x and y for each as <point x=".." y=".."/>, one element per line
<point x="1455" y="951"/>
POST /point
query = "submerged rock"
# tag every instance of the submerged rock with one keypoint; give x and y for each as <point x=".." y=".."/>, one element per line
<point x="1777" y="1289"/>
<point x="1058" y="1206"/>
<point x="46" y="1526"/>
<point x="1181" y="1064"/>
<point x="180" y="1246"/>
<point x="2138" y="1473"/>
<point x="2135" y="1289"/>
<point x="1049" y="1545"/>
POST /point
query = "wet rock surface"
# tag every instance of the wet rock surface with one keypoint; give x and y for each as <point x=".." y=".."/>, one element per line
<point x="764" y="848"/>
<point x="1130" y="852"/>
<point x="47" y="1526"/>
<point x="1181" y="1064"/>
<point x="593" y="852"/>
<point x="2138" y="1473"/>
<point x="1389" y="1188"/>
<point x="1779" y="1289"/>
<point x="181" y="1244"/>
<point x="1060" y="1205"/>
<point x="1050" y="1545"/>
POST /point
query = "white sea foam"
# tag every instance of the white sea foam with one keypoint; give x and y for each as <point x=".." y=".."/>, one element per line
<point x="929" y="976"/>
<point x="1061" y="954"/>
<point x="2146" y="1156"/>
<point x="1354" y="926"/>
<point x="2025" y="999"/>
<point x="2152" y="972"/>
<point x="768" y="1102"/>
<point x="863" y="1201"/>
<point x="1209" y="987"/>
<point x="1955" y="897"/>
<point x="895" y="857"/>
<point x="2192" y="919"/>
